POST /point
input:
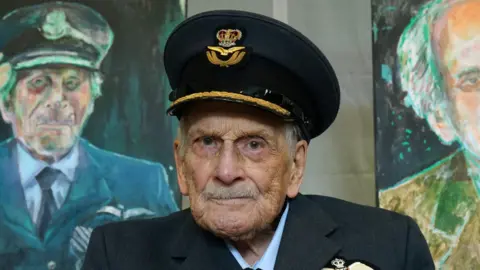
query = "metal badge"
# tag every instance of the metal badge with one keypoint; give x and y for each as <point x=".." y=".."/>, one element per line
<point x="230" y="54"/>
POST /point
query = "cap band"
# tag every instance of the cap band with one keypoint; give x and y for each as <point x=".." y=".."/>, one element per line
<point x="52" y="59"/>
<point x="234" y="96"/>
<point x="258" y="97"/>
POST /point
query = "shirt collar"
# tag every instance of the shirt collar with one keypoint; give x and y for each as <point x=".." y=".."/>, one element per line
<point x="29" y="166"/>
<point x="267" y="261"/>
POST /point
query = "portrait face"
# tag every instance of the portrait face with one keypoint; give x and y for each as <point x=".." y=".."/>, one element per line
<point x="457" y="43"/>
<point x="48" y="108"/>
<point x="236" y="167"/>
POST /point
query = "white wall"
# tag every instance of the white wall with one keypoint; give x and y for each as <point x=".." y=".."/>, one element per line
<point x="341" y="161"/>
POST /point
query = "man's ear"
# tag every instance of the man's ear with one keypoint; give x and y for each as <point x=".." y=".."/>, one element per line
<point x="440" y="125"/>
<point x="298" y="168"/>
<point x="179" y="163"/>
<point x="6" y="110"/>
<point x="7" y="81"/>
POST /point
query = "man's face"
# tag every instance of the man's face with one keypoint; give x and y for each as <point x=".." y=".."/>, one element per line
<point x="236" y="168"/>
<point x="49" y="107"/>
<point x="457" y="38"/>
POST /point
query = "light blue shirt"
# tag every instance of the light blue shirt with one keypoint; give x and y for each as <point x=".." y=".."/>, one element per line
<point x="29" y="167"/>
<point x="267" y="262"/>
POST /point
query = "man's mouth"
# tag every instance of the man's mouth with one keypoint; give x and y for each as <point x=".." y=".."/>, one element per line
<point x="233" y="200"/>
<point x="55" y="124"/>
<point x="46" y="121"/>
<point x="230" y="197"/>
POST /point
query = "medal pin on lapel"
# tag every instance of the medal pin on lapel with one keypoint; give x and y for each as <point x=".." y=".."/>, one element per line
<point x="339" y="264"/>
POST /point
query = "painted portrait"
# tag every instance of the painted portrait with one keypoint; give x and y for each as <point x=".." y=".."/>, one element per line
<point x="84" y="138"/>
<point x="427" y="111"/>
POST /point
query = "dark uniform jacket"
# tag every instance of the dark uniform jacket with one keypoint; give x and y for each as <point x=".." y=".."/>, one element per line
<point x="319" y="230"/>
<point x="108" y="188"/>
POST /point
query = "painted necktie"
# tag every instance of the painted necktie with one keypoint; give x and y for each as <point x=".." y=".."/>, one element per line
<point x="45" y="179"/>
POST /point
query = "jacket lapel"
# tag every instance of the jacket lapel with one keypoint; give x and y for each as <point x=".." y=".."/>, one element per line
<point x="307" y="240"/>
<point x="13" y="209"/>
<point x="88" y="193"/>
<point x="198" y="249"/>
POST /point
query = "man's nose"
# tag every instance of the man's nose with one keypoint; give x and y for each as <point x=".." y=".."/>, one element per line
<point x="229" y="167"/>
<point x="56" y="98"/>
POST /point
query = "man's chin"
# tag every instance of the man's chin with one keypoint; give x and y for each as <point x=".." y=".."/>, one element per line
<point x="233" y="232"/>
<point x="53" y="131"/>
<point x="236" y="220"/>
<point x="230" y="225"/>
<point x="230" y="204"/>
<point x="50" y="152"/>
<point x="51" y="146"/>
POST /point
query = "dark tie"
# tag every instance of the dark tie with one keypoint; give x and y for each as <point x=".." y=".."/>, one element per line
<point x="47" y="207"/>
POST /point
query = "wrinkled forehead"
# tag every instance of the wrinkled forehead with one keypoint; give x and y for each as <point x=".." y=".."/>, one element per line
<point x="229" y="115"/>
<point x="54" y="70"/>
<point x="457" y="24"/>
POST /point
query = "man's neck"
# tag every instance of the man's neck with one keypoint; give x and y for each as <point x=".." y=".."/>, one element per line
<point x="49" y="159"/>
<point x="253" y="250"/>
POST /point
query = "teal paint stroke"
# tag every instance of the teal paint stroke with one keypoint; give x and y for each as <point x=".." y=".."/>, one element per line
<point x="387" y="74"/>
<point x="390" y="8"/>
<point x="172" y="19"/>
<point x="132" y="113"/>
<point x="113" y="126"/>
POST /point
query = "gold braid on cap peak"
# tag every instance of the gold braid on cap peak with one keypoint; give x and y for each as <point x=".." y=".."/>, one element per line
<point x="234" y="96"/>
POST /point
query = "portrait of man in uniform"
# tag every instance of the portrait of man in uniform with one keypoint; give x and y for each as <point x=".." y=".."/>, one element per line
<point x="438" y="59"/>
<point x="55" y="185"/>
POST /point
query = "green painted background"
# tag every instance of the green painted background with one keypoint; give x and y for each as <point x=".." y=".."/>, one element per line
<point x="129" y="118"/>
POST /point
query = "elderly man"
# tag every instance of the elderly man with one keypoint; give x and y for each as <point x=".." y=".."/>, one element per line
<point x="250" y="93"/>
<point x="440" y="72"/>
<point x="54" y="186"/>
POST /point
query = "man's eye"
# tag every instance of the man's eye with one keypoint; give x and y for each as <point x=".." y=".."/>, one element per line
<point x="254" y="144"/>
<point x="37" y="85"/>
<point x="38" y="82"/>
<point x="72" y="84"/>
<point x="208" y="140"/>
<point x="469" y="81"/>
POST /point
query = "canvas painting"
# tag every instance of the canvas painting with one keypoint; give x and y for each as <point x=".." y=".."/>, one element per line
<point x="84" y="137"/>
<point x="426" y="57"/>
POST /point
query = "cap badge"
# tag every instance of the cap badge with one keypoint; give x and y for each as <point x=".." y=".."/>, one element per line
<point x="230" y="54"/>
<point x="55" y="25"/>
<point x="228" y="37"/>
